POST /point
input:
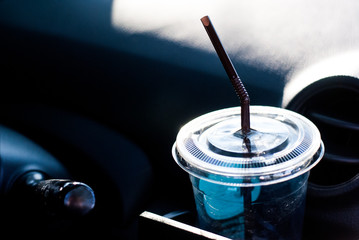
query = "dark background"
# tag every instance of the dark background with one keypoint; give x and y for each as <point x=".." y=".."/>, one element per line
<point x="107" y="99"/>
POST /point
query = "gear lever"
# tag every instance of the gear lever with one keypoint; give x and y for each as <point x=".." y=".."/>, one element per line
<point x="58" y="195"/>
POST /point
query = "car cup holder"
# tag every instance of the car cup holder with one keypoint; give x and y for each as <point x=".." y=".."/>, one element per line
<point x="333" y="191"/>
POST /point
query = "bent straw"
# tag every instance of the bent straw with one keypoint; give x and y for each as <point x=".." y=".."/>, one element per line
<point x="232" y="74"/>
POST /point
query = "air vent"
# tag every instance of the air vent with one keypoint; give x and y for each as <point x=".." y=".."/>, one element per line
<point x="333" y="105"/>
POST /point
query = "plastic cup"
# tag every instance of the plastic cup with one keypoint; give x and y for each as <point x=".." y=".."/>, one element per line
<point x="250" y="186"/>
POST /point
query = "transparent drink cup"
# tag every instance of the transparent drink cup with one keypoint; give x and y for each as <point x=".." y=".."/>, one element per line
<point x="250" y="186"/>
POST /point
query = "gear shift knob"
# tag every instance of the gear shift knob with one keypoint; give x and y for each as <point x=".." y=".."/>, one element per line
<point x="59" y="195"/>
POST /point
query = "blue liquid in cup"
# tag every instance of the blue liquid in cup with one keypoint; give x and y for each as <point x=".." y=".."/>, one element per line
<point x="250" y="186"/>
<point x="261" y="212"/>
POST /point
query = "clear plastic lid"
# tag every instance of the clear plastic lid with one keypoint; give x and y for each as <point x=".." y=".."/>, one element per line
<point x="281" y="145"/>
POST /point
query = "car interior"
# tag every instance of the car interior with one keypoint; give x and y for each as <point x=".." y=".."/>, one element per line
<point x="95" y="92"/>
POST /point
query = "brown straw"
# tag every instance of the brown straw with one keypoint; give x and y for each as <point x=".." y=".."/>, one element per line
<point x="231" y="72"/>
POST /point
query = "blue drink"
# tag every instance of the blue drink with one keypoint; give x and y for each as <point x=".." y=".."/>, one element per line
<point x="250" y="186"/>
<point x="274" y="212"/>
